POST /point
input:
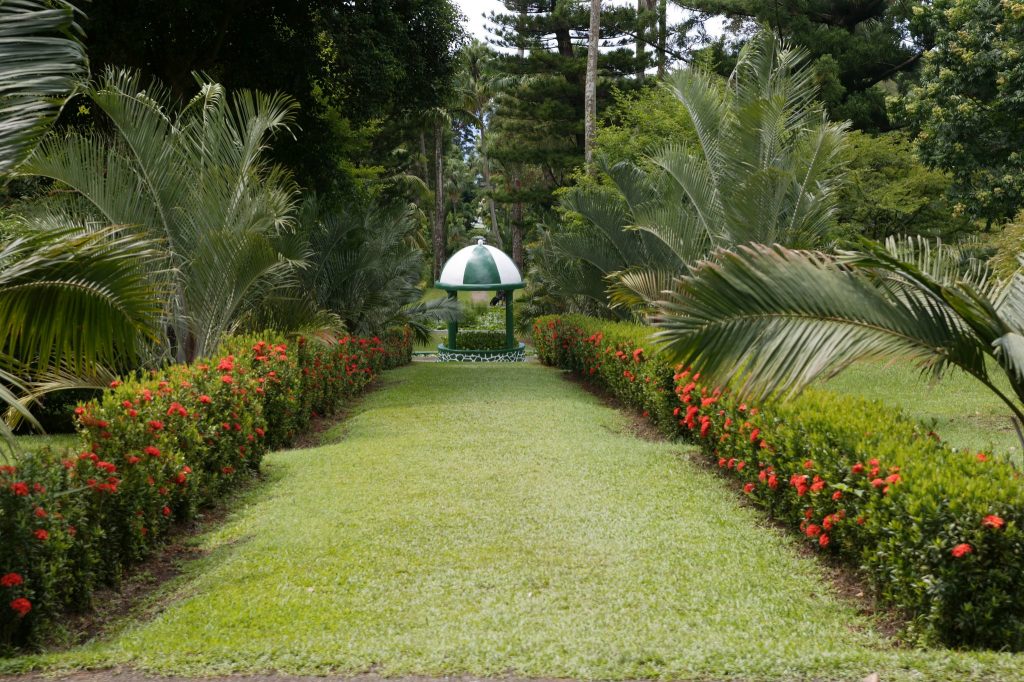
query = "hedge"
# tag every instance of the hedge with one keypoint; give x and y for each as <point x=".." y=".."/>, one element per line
<point x="481" y="339"/>
<point x="154" y="449"/>
<point x="936" y="531"/>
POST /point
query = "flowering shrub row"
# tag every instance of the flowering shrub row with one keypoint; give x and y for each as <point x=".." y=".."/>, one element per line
<point x="937" y="531"/>
<point x="153" y="450"/>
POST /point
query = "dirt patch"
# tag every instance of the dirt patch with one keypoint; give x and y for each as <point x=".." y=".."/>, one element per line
<point x="845" y="581"/>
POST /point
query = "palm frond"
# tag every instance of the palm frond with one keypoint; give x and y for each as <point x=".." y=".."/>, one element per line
<point x="42" y="60"/>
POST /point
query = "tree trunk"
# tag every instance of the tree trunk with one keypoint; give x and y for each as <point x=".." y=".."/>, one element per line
<point x="642" y="19"/>
<point x="518" y="229"/>
<point x="486" y="169"/>
<point x="662" y="36"/>
<point x="438" y="231"/>
<point x="590" y="92"/>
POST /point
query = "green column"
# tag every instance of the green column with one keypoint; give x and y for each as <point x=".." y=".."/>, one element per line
<point x="510" y="323"/>
<point x="453" y="327"/>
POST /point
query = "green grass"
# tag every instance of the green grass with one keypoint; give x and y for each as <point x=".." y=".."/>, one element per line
<point x="35" y="443"/>
<point x="496" y="520"/>
<point x="964" y="413"/>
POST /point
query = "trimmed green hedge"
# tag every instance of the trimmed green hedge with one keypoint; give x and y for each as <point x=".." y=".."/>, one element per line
<point x="938" y="532"/>
<point x="481" y="339"/>
<point x="154" y="449"/>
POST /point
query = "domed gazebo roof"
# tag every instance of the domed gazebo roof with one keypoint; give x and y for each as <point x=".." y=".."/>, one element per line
<point x="479" y="268"/>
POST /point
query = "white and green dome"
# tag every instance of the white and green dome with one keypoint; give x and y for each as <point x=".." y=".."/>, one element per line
<point x="479" y="268"/>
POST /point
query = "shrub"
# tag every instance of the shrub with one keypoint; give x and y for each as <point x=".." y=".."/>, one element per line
<point x="938" y="532"/>
<point x="155" y="448"/>
<point x="480" y="339"/>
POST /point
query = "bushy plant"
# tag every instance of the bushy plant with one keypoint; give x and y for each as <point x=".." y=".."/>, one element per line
<point x="937" y="532"/>
<point x="481" y="339"/>
<point x="155" y="448"/>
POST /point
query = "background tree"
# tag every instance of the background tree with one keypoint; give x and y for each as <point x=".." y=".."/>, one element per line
<point x="348" y="65"/>
<point x="968" y="107"/>
<point x="764" y="168"/>
<point x="856" y="45"/>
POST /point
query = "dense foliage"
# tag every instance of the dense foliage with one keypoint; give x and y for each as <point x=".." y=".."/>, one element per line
<point x="968" y="106"/>
<point x="937" y="532"/>
<point x="348" y="65"/>
<point x="155" y="448"/>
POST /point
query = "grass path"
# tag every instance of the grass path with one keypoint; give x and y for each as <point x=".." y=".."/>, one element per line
<point x="499" y="520"/>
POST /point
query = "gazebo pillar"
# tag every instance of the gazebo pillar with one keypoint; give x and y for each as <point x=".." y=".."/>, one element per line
<point x="453" y="326"/>
<point x="510" y="335"/>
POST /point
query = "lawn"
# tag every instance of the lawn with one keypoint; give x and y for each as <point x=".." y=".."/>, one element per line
<point x="964" y="413"/>
<point x="500" y="520"/>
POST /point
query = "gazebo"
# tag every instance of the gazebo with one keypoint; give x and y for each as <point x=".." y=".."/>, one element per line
<point x="481" y="268"/>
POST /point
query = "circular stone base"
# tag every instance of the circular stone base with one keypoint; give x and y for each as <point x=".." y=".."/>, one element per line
<point x="445" y="354"/>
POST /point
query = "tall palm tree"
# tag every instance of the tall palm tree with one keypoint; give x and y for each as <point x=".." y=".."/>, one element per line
<point x="197" y="180"/>
<point x="776" y="319"/>
<point x="764" y="169"/>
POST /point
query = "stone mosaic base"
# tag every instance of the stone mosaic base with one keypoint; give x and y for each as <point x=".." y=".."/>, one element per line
<point x="517" y="355"/>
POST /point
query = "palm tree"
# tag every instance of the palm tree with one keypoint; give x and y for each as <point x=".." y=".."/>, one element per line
<point x="365" y="268"/>
<point x="196" y="180"/>
<point x="41" y="60"/>
<point x="764" y="169"/>
<point x="776" y="319"/>
<point x="74" y="299"/>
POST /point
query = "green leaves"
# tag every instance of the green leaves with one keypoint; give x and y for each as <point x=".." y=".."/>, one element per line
<point x="765" y="169"/>
<point x="41" y="60"/>
<point x="197" y="181"/>
<point x="777" y="319"/>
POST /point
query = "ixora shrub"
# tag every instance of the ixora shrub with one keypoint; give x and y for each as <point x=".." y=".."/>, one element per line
<point x="938" y="532"/>
<point x="155" y="448"/>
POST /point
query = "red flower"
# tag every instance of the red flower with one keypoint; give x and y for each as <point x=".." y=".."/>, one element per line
<point x="152" y="450"/>
<point x="982" y="457"/>
<point x="857" y="468"/>
<point x="204" y="399"/>
<point x="166" y="511"/>
<point x="705" y="426"/>
<point x="227" y="379"/>
<point x="818" y="484"/>
<point x="11" y="580"/>
<point x="893" y="478"/>
<point x="754" y="434"/>
<point x="823" y="541"/>
<point x="748" y="488"/>
<point x="21" y="606"/>
<point x="79" y="410"/>
<point x="40" y="513"/>
<point x="721" y="462"/>
<point x="41" y="534"/>
<point x="133" y="459"/>
<point x="773" y="482"/>
<point x="961" y="549"/>
<point x="837" y="495"/>
<point x="813" y="530"/>
<point x="993" y="521"/>
<point x="808" y="464"/>
<point x="20" y="489"/>
<point x="877" y="483"/>
<point x="115" y="383"/>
